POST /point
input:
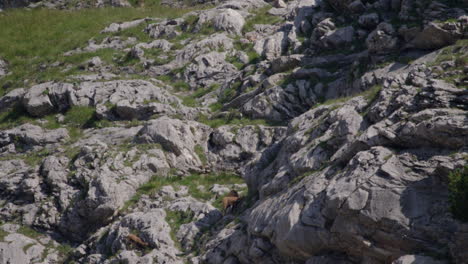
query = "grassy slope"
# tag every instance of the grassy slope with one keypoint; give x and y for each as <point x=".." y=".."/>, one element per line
<point x="29" y="38"/>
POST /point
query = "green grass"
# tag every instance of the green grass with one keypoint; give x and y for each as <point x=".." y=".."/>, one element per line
<point x="14" y="117"/>
<point x="248" y="48"/>
<point x="458" y="187"/>
<point x="29" y="38"/>
<point x="192" y="182"/>
<point x="177" y="218"/>
<point x="261" y="16"/>
<point x="201" y="154"/>
<point x="29" y="232"/>
<point x="64" y="250"/>
<point x="79" y="116"/>
<point x="191" y="100"/>
<point x="25" y="248"/>
<point x="458" y="54"/>
<point x="3" y="234"/>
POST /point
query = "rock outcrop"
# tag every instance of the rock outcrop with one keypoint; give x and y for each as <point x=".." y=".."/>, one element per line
<point x="339" y="123"/>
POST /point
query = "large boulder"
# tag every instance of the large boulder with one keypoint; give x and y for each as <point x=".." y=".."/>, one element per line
<point x="229" y="20"/>
<point x="28" y="136"/>
<point x="337" y="38"/>
<point x="273" y="46"/>
<point x="438" y="35"/>
<point x="182" y="139"/>
<point x="208" y="69"/>
<point x="37" y="101"/>
<point x="369" y="21"/>
<point x="152" y="228"/>
<point x="11" y="99"/>
<point x="382" y="40"/>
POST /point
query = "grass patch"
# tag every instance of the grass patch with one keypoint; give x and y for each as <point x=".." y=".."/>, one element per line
<point x="192" y="181"/>
<point x="25" y="248"/>
<point x="191" y="100"/>
<point x="64" y="250"/>
<point x="29" y="232"/>
<point x="3" y="234"/>
<point x="248" y="48"/>
<point x="78" y="116"/>
<point x="261" y="16"/>
<point x="175" y="219"/>
<point x="201" y="154"/>
<point x="30" y="38"/>
<point x="458" y="187"/>
<point x="14" y="117"/>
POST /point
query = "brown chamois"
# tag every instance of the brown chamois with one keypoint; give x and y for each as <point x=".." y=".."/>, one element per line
<point x="136" y="240"/>
<point x="230" y="200"/>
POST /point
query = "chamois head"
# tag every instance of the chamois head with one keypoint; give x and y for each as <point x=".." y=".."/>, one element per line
<point x="233" y="193"/>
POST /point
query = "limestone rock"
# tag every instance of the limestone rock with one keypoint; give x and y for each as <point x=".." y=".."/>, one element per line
<point x="229" y="20"/>
<point x="382" y="39"/>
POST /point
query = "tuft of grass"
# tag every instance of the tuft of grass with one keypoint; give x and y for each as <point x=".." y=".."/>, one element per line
<point x="181" y="86"/>
<point x="216" y="106"/>
<point x="248" y="48"/>
<point x="25" y="248"/>
<point x="79" y="116"/>
<point x="458" y="187"/>
<point x="64" y="250"/>
<point x="29" y="232"/>
<point x="191" y="100"/>
<point x="201" y="154"/>
<point x="3" y="234"/>
<point x="261" y="16"/>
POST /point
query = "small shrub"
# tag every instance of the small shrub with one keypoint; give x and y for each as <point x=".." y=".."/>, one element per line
<point x="458" y="187"/>
<point x="201" y="154"/>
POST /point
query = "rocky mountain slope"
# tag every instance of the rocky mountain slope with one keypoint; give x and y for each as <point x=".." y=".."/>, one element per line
<point x="343" y="124"/>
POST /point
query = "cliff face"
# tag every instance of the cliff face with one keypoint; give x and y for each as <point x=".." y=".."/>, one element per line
<point x="340" y="123"/>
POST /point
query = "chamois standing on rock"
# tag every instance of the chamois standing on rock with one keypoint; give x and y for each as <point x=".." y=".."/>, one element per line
<point x="230" y="201"/>
<point x="137" y="241"/>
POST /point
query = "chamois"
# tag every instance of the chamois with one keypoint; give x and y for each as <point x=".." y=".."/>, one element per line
<point x="230" y="200"/>
<point x="135" y="239"/>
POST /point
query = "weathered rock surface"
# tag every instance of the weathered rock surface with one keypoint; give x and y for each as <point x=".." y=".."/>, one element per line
<point x="365" y="127"/>
<point x="230" y="21"/>
<point x="179" y="138"/>
<point x="27" y="136"/>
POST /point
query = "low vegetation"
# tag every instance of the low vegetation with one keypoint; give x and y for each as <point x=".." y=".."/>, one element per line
<point x="261" y="16"/>
<point x="458" y="186"/>
<point x="175" y="219"/>
<point x="30" y="40"/>
<point x="198" y="185"/>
